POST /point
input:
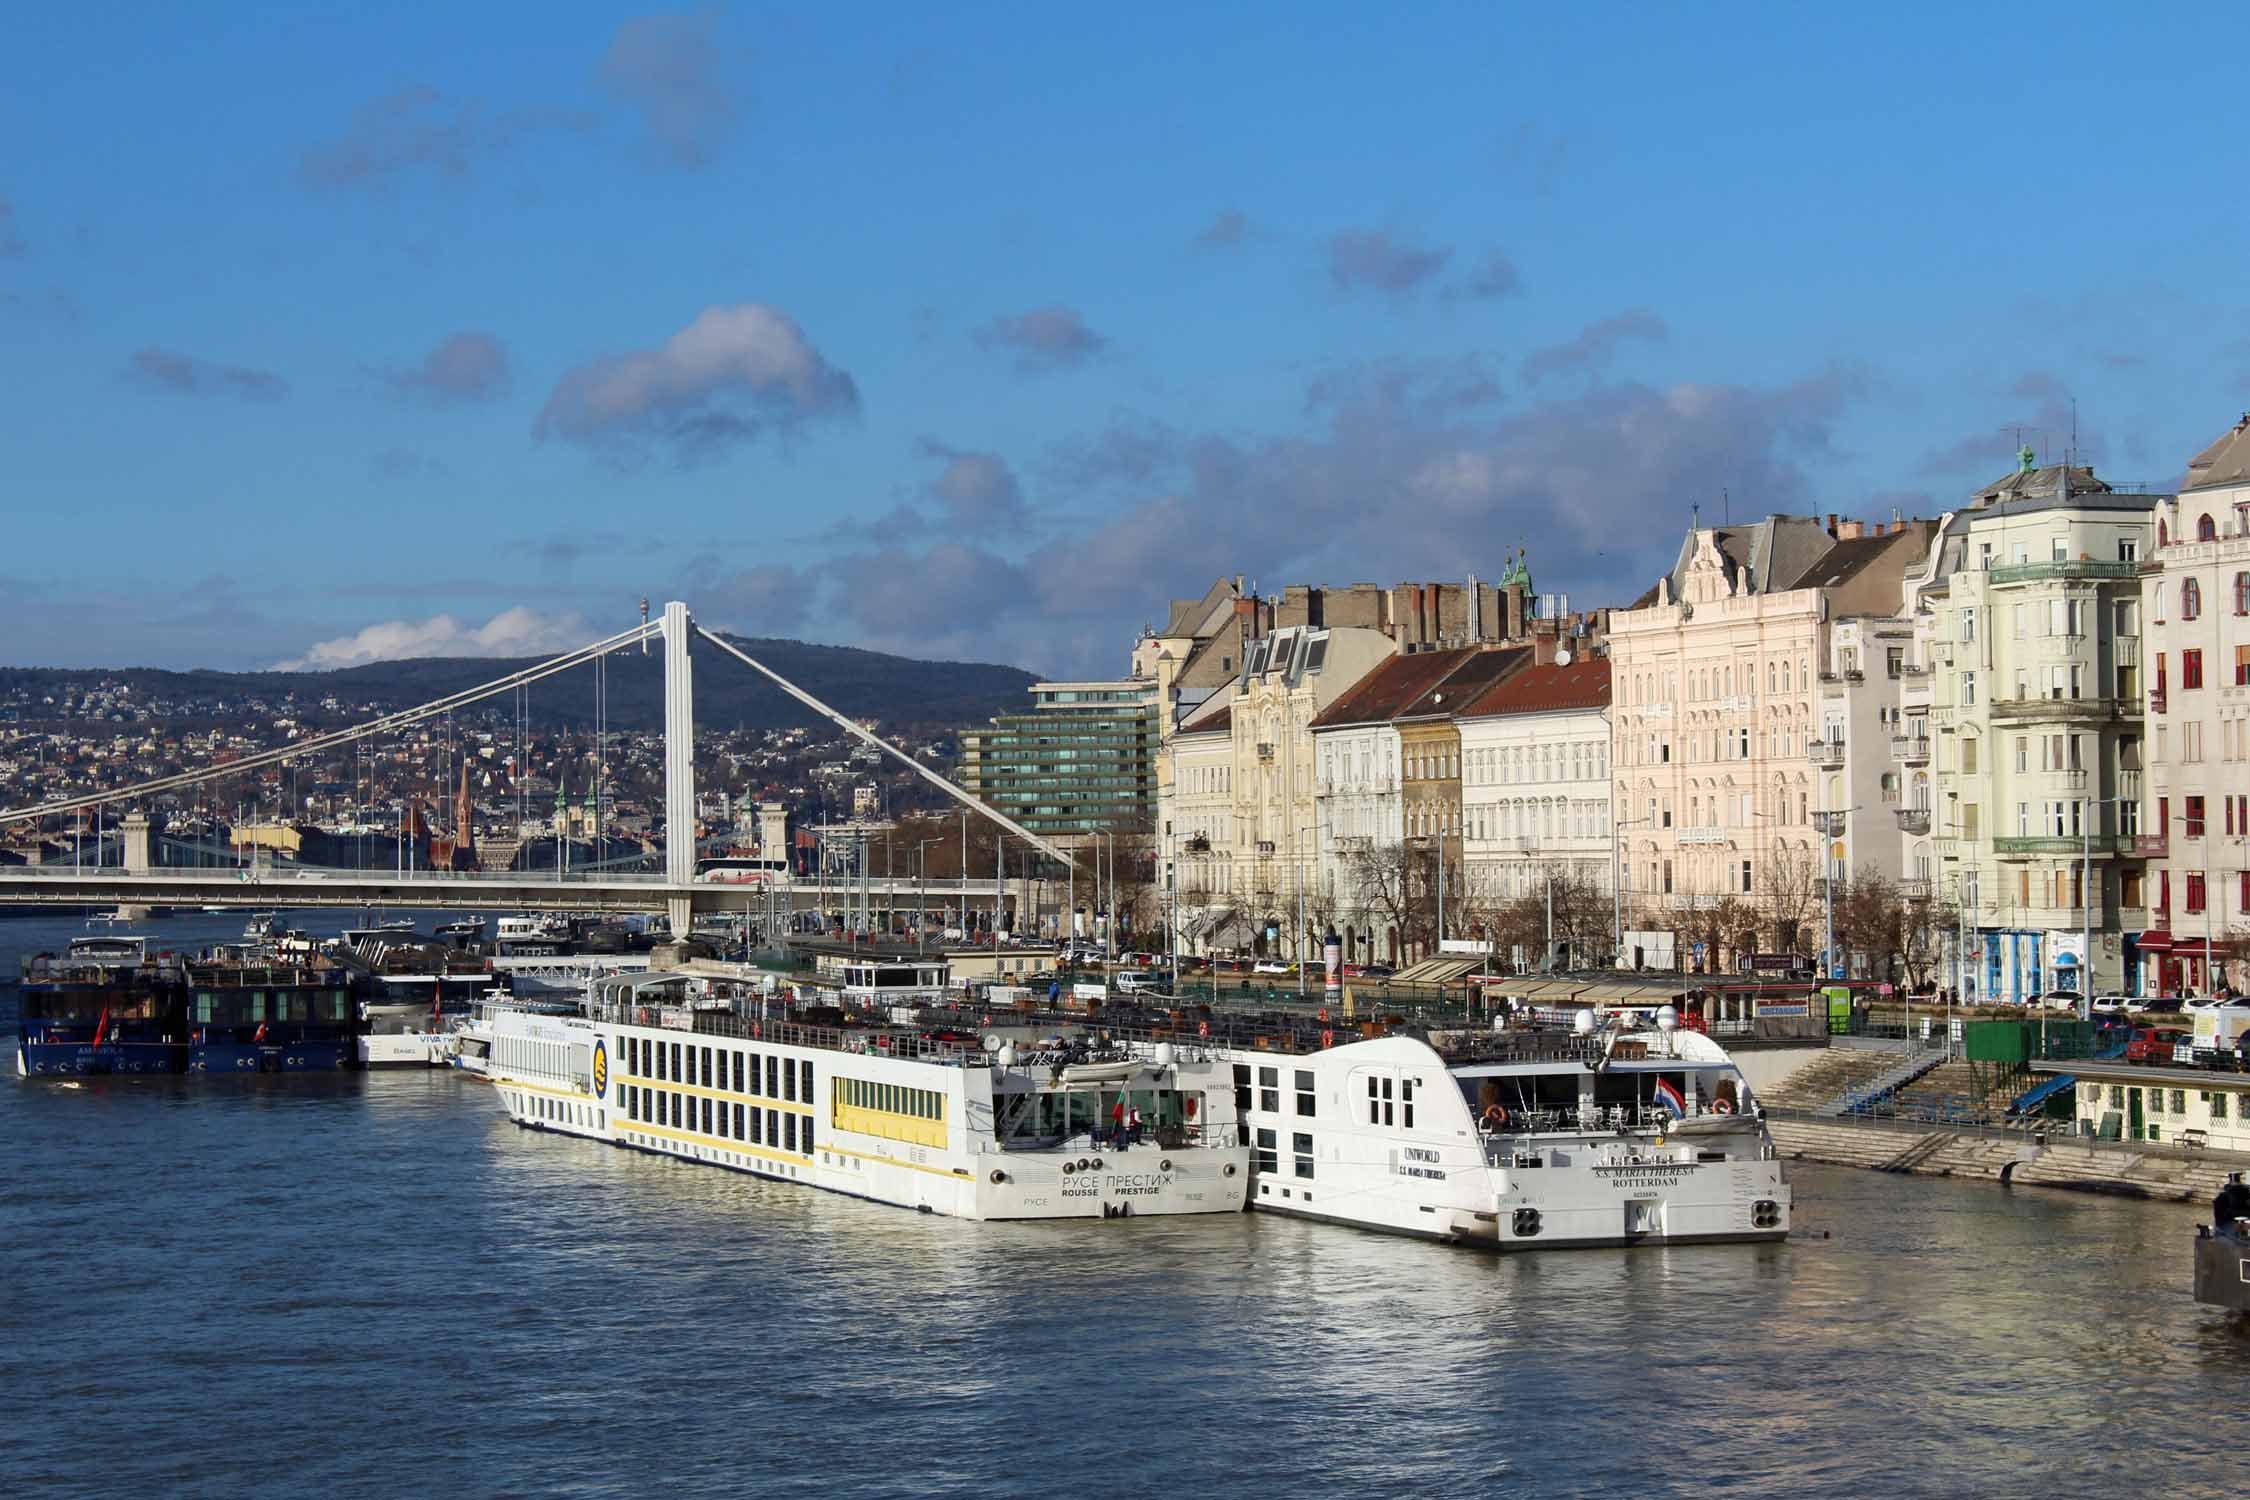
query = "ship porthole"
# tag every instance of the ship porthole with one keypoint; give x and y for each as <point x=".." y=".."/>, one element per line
<point x="1069" y="1167"/>
<point x="1165" y="1165"/>
<point x="1097" y="1164"/>
<point x="998" y="1175"/>
<point x="1229" y="1169"/>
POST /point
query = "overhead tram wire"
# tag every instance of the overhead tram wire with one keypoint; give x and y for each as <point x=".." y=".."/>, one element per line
<point x="337" y="737"/>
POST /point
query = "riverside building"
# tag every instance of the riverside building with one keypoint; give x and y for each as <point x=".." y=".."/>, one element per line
<point x="1535" y="779"/>
<point x="2029" y="619"/>
<point x="1082" y="760"/>
<point x="1734" y="770"/>
<point x="2195" y="832"/>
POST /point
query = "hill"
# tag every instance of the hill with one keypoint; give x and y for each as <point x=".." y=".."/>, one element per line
<point x="899" y="690"/>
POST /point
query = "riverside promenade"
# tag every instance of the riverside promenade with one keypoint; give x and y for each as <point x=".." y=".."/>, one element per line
<point x="2017" y="1157"/>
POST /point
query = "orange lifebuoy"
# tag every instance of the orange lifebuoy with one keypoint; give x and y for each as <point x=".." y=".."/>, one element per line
<point x="1495" y="1116"/>
<point x="1723" y="1106"/>
<point x="1328" y="1039"/>
<point x="1203" y="1028"/>
<point x="1323" y="1013"/>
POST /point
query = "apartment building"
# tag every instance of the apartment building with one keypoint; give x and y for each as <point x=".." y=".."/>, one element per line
<point x="2195" y="834"/>
<point x="1734" y="772"/>
<point x="1535" y="779"/>
<point x="1082" y="761"/>
<point x="2028" y="617"/>
<point x="1264" y="852"/>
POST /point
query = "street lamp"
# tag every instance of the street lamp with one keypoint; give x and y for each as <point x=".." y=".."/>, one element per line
<point x="1109" y="926"/>
<point x="921" y="882"/>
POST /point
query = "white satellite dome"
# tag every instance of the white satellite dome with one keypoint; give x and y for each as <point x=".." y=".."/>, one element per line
<point x="1667" y="1018"/>
<point x="1583" y="1023"/>
<point x="1164" y="1054"/>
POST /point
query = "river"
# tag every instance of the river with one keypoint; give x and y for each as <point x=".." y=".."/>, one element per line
<point x="376" y="1286"/>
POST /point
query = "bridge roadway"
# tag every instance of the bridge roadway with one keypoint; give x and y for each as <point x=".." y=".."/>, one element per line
<point x="521" y="890"/>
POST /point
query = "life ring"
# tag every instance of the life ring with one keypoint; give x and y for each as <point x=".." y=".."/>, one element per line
<point x="1328" y="1039"/>
<point x="1723" y="1106"/>
<point x="1203" y="1029"/>
<point x="1495" y="1116"/>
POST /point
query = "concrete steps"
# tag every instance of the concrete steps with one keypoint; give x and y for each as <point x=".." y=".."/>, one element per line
<point x="1995" y="1158"/>
<point x="1831" y="1078"/>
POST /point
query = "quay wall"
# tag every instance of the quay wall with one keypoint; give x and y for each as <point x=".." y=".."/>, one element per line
<point x="2014" y="1158"/>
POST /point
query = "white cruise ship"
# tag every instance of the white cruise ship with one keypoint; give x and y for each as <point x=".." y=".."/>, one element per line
<point x="1513" y="1140"/>
<point x="980" y="1126"/>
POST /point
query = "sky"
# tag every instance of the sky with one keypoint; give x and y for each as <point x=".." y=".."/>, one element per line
<point x="339" y="332"/>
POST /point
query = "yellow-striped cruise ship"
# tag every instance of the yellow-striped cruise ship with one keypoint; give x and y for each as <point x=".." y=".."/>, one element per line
<point x="989" y="1126"/>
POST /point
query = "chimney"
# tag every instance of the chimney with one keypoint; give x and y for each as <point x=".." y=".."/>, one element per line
<point x="1832" y="523"/>
<point x="1543" y="648"/>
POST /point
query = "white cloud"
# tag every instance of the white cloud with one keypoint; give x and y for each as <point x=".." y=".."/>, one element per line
<point x="512" y="632"/>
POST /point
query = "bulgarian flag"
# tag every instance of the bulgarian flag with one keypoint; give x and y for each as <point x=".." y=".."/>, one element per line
<point x="1668" y="1094"/>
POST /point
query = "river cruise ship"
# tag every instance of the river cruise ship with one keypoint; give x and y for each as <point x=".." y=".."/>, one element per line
<point x="1007" y="1122"/>
<point x="104" y="1005"/>
<point x="250" y="1013"/>
<point x="1524" y="1139"/>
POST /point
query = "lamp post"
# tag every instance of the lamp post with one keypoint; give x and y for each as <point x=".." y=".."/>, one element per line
<point x="921" y="883"/>
<point x="1109" y="926"/>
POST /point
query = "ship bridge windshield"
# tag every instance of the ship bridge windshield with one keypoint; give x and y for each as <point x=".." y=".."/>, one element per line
<point x="1057" y="1116"/>
<point x="91" y="1004"/>
<point x="1546" y="1092"/>
<point x="230" y="1006"/>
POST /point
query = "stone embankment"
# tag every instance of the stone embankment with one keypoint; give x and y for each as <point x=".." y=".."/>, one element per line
<point x="2063" y="1162"/>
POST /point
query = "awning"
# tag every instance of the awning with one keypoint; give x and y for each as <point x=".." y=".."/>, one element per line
<point x="2157" y="940"/>
<point x="2066" y="960"/>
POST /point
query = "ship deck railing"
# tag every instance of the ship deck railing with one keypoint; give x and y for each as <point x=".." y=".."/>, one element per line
<point x="867" y="1041"/>
<point x="86" y="971"/>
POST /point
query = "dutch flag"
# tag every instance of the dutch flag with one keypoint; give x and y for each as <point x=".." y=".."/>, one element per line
<point x="1668" y="1094"/>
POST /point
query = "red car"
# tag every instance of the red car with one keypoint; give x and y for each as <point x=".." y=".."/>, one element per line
<point x="2149" y="1045"/>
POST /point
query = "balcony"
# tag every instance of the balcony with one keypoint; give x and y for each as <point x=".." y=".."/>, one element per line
<point x="1354" y="843"/>
<point x="2023" y="846"/>
<point x="2156" y="699"/>
<point x="1826" y="754"/>
<point x="1911" y="749"/>
<point x="1913" y="888"/>
<point x="2074" y="710"/>
<point x="1265" y="846"/>
<point x="1705" y="835"/>
<point x="1265" y="751"/>
<point x="1914" y="821"/>
<point x="2071" y="776"/>
<point x="2152" y="845"/>
<point x="1831" y="824"/>
<point x="2060" y="569"/>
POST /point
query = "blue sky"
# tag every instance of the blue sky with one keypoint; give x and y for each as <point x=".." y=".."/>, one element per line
<point x="980" y="332"/>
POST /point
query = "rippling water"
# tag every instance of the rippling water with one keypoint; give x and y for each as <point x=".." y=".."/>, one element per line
<point x="375" y="1286"/>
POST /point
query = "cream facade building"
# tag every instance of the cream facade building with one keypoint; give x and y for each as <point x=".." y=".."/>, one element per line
<point x="1535" y="781"/>
<point x="1726" y="783"/>
<point x="2029" y="618"/>
<point x="2195" y="605"/>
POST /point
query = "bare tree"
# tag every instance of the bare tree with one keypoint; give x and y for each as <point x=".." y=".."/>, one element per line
<point x="1871" y="920"/>
<point x="1399" y="885"/>
<point x="1929" y="921"/>
<point x="1728" y="929"/>
<point x="1791" y="891"/>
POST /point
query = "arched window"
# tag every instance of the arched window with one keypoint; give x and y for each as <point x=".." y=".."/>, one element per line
<point x="2163" y="533"/>
<point x="2242" y="593"/>
<point x="2206" y="529"/>
<point x="2191" y="599"/>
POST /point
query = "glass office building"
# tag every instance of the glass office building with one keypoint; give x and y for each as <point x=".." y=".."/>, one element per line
<point x="1083" y="758"/>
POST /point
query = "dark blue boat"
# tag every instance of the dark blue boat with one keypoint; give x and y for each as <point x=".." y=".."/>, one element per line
<point x="106" y="1006"/>
<point x="270" y="1016"/>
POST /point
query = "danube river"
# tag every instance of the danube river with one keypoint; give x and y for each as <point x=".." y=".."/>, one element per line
<point x="375" y="1286"/>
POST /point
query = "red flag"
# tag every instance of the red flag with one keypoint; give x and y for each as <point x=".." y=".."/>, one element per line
<point x="261" y="1033"/>
<point x="101" y="1027"/>
<point x="437" y="1000"/>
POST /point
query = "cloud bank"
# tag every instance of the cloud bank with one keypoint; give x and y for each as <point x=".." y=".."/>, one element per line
<point x="174" y="374"/>
<point x="520" y="631"/>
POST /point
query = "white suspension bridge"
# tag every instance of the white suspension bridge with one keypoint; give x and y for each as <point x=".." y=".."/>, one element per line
<point x="140" y="880"/>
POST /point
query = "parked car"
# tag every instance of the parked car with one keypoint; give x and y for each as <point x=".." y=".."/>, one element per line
<point x="2203" y="1002"/>
<point x="2115" y="1005"/>
<point x="2150" y="1045"/>
<point x="1271" y="966"/>
<point x="1378" y="971"/>
<point x="2163" y="1005"/>
<point x="2059" y="1000"/>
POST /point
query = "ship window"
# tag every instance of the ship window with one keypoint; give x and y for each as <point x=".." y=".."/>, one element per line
<point x="773" y="1077"/>
<point x="706" y="1066"/>
<point x="1267" y="1159"/>
<point x="632" y="1105"/>
<point x="1242" y="1088"/>
<point x="1301" y="1145"/>
<point x="804" y="1081"/>
<point x="1379" y="1107"/>
<point x="738" y="1122"/>
<point x="1269" y="1090"/>
<point x="757" y="1127"/>
<point x="1406" y="1100"/>
<point x="804" y="1135"/>
<point x="707" y="1117"/>
<point x="675" y="1062"/>
<point x="789" y="1132"/>
<point x="738" y="1072"/>
<point x="754" y="1089"/>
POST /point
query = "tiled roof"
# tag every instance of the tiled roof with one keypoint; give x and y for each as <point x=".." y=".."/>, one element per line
<point x="2225" y="462"/>
<point x="1211" y="723"/>
<point x="1462" y="686"/>
<point x="1584" y="683"/>
<point x="1382" y="693"/>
